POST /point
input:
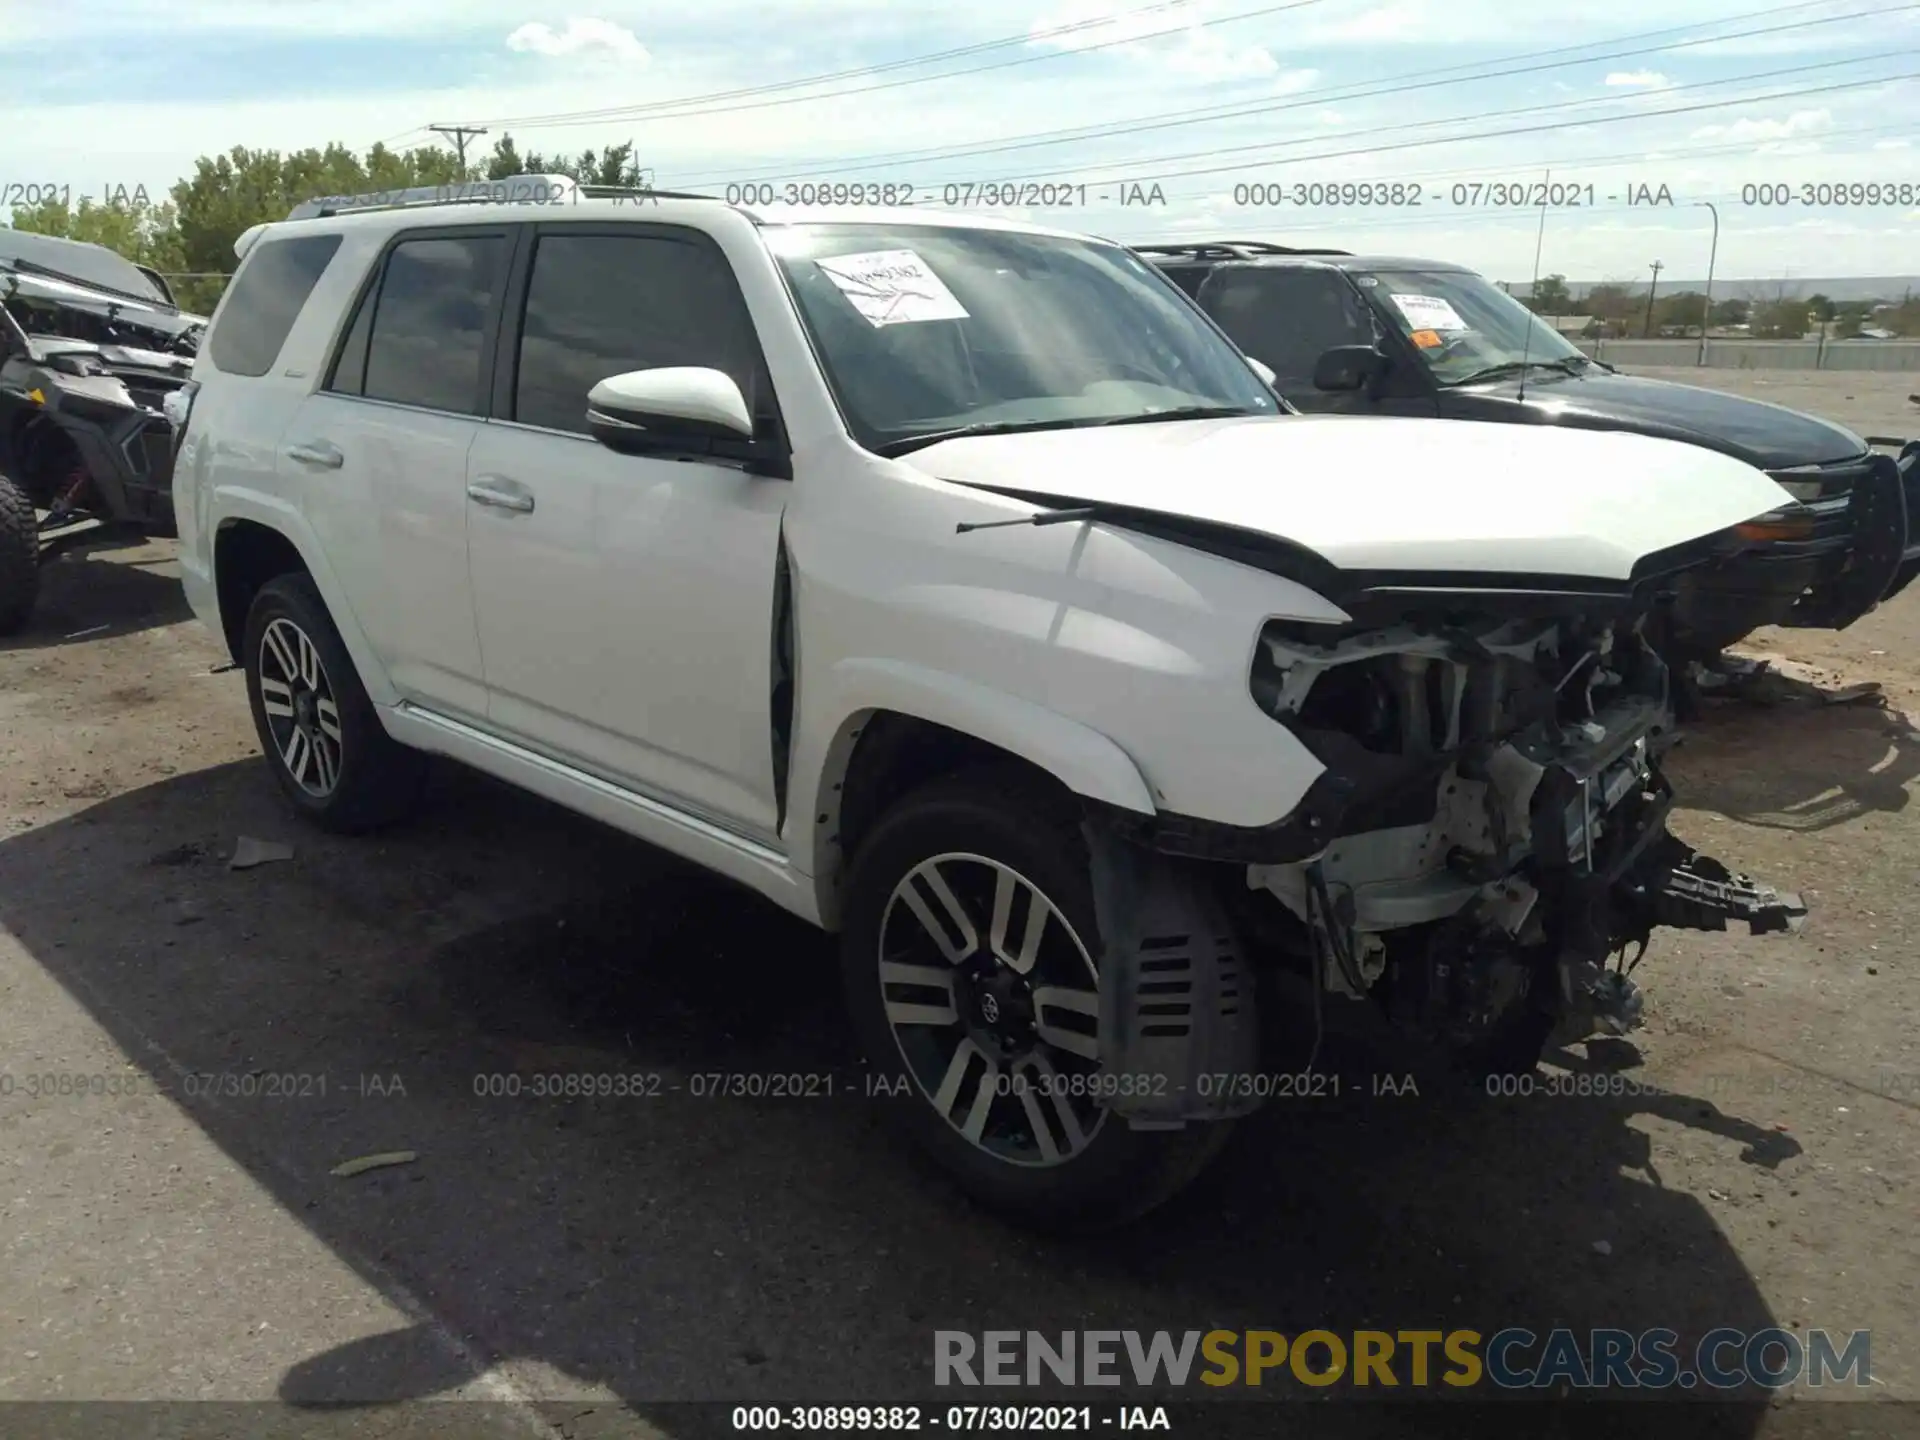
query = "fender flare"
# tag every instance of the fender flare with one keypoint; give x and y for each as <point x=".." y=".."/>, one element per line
<point x="285" y="519"/>
<point x="1086" y="761"/>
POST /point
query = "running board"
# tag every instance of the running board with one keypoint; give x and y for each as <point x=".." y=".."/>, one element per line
<point x="702" y="842"/>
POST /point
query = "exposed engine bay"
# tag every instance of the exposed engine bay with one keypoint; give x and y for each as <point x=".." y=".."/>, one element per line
<point x="1505" y="844"/>
<point x="1493" y="859"/>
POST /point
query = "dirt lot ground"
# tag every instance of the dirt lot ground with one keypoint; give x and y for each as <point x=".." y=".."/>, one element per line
<point x="184" y="1240"/>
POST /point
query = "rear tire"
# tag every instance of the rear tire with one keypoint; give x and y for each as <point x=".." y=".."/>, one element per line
<point x="998" y="844"/>
<point x="19" y="557"/>
<point x="318" y="730"/>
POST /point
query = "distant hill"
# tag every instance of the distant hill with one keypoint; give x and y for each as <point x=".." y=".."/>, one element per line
<point x="1840" y="287"/>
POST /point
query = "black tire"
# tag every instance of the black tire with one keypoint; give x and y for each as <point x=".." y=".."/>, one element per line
<point x="19" y="557"/>
<point x="375" y="780"/>
<point x="1001" y="815"/>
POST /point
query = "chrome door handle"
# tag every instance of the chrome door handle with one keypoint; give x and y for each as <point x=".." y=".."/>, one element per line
<point x="501" y="493"/>
<point x="317" y="452"/>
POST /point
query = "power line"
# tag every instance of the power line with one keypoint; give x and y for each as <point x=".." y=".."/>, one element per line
<point x="1391" y="216"/>
<point x="674" y="106"/>
<point x="1570" y="124"/>
<point x="1394" y="85"/>
<point x="696" y="105"/>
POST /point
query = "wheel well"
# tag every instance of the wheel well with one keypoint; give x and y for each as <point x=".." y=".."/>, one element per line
<point x="883" y="756"/>
<point x="40" y="455"/>
<point x="246" y="555"/>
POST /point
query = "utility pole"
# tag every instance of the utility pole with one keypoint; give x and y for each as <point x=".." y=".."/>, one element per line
<point x="1706" y="313"/>
<point x="459" y="134"/>
<point x="1646" y="329"/>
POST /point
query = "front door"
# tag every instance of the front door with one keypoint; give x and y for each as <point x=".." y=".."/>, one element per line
<point x="625" y="604"/>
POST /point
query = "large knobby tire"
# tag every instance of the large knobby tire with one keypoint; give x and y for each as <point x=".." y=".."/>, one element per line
<point x="19" y="557"/>
<point x="1003" y="839"/>
<point x="325" y="745"/>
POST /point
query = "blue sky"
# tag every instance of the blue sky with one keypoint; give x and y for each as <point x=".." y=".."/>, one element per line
<point x="1314" y="91"/>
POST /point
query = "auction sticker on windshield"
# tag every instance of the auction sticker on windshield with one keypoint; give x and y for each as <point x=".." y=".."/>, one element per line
<point x="892" y="287"/>
<point x="1430" y="312"/>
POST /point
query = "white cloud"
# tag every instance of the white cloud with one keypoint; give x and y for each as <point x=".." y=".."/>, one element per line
<point x="1797" y="125"/>
<point x="1637" y="79"/>
<point x="1179" y="37"/>
<point x="583" y="35"/>
<point x="1897" y="144"/>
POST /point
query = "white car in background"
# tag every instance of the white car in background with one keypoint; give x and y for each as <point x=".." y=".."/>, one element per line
<point x="957" y="585"/>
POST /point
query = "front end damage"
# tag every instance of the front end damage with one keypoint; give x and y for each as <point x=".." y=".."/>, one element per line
<point x="1483" y="861"/>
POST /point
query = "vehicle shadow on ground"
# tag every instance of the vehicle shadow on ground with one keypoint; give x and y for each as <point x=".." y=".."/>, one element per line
<point x="670" y="1246"/>
<point x="1800" y="765"/>
<point x="91" y="588"/>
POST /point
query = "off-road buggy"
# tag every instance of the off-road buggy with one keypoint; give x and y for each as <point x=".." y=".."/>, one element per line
<point x="91" y="345"/>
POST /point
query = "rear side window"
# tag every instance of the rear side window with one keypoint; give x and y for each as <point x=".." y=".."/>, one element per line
<point x="1188" y="277"/>
<point x="419" y="335"/>
<point x="1288" y="317"/>
<point x="600" y="305"/>
<point x="266" y="300"/>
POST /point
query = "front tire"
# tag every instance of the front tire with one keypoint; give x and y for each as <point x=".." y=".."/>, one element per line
<point x="328" y="751"/>
<point x="19" y="557"/>
<point x="969" y="958"/>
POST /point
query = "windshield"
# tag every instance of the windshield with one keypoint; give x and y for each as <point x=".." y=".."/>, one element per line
<point x="1461" y="325"/>
<point x="923" y="330"/>
<point x="75" y="260"/>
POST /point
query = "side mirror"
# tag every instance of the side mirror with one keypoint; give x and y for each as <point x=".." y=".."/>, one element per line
<point x="674" y="408"/>
<point x="1264" y="371"/>
<point x="1348" y="367"/>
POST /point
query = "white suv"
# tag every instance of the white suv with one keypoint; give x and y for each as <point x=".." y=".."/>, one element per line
<point x="956" y="584"/>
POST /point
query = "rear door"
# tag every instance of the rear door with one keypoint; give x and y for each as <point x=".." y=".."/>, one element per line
<point x="1289" y="316"/>
<point x="382" y="450"/>
<point x="625" y="603"/>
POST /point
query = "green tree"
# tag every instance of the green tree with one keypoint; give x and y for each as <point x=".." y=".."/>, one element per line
<point x="228" y="194"/>
<point x="613" y="165"/>
<point x="1731" y="312"/>
<point x="1782" y="319"/>
<point x="1550" y="296"/>
<point x="1820" y="307"/>
<point x="1683" y="308"/>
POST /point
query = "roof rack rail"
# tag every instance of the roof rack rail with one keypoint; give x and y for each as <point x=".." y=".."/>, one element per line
<point x="510" y="190"/>
<point x="1231" y="249"/>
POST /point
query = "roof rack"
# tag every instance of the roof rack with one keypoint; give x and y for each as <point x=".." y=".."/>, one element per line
<point x="511" y="190"/>
<point x="1230" y="250"/>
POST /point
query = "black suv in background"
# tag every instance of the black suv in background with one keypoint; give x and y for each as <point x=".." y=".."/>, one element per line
<point x="1383" y="335"/>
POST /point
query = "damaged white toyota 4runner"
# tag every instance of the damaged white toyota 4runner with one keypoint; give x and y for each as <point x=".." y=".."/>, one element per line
<point x="957" y="585"/>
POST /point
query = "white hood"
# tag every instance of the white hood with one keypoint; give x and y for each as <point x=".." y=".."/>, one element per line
<point x="1393" y="494"/>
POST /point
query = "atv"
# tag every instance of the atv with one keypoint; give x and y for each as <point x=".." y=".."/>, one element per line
<point x="91" y="346"/>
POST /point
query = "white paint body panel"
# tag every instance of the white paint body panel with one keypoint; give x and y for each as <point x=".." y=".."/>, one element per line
<point x="1387" y="493"/>
<point x="611" y="648"/>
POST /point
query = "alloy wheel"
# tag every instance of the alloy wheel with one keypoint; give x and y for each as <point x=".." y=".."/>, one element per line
<point x="301" y="712"/>
<point x="994" y="1003"/>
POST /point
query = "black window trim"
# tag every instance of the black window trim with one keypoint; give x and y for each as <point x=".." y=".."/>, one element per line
<point x="368" y="293"/>
<point x="506" y="358"/>
<point x="339" y="239"/>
